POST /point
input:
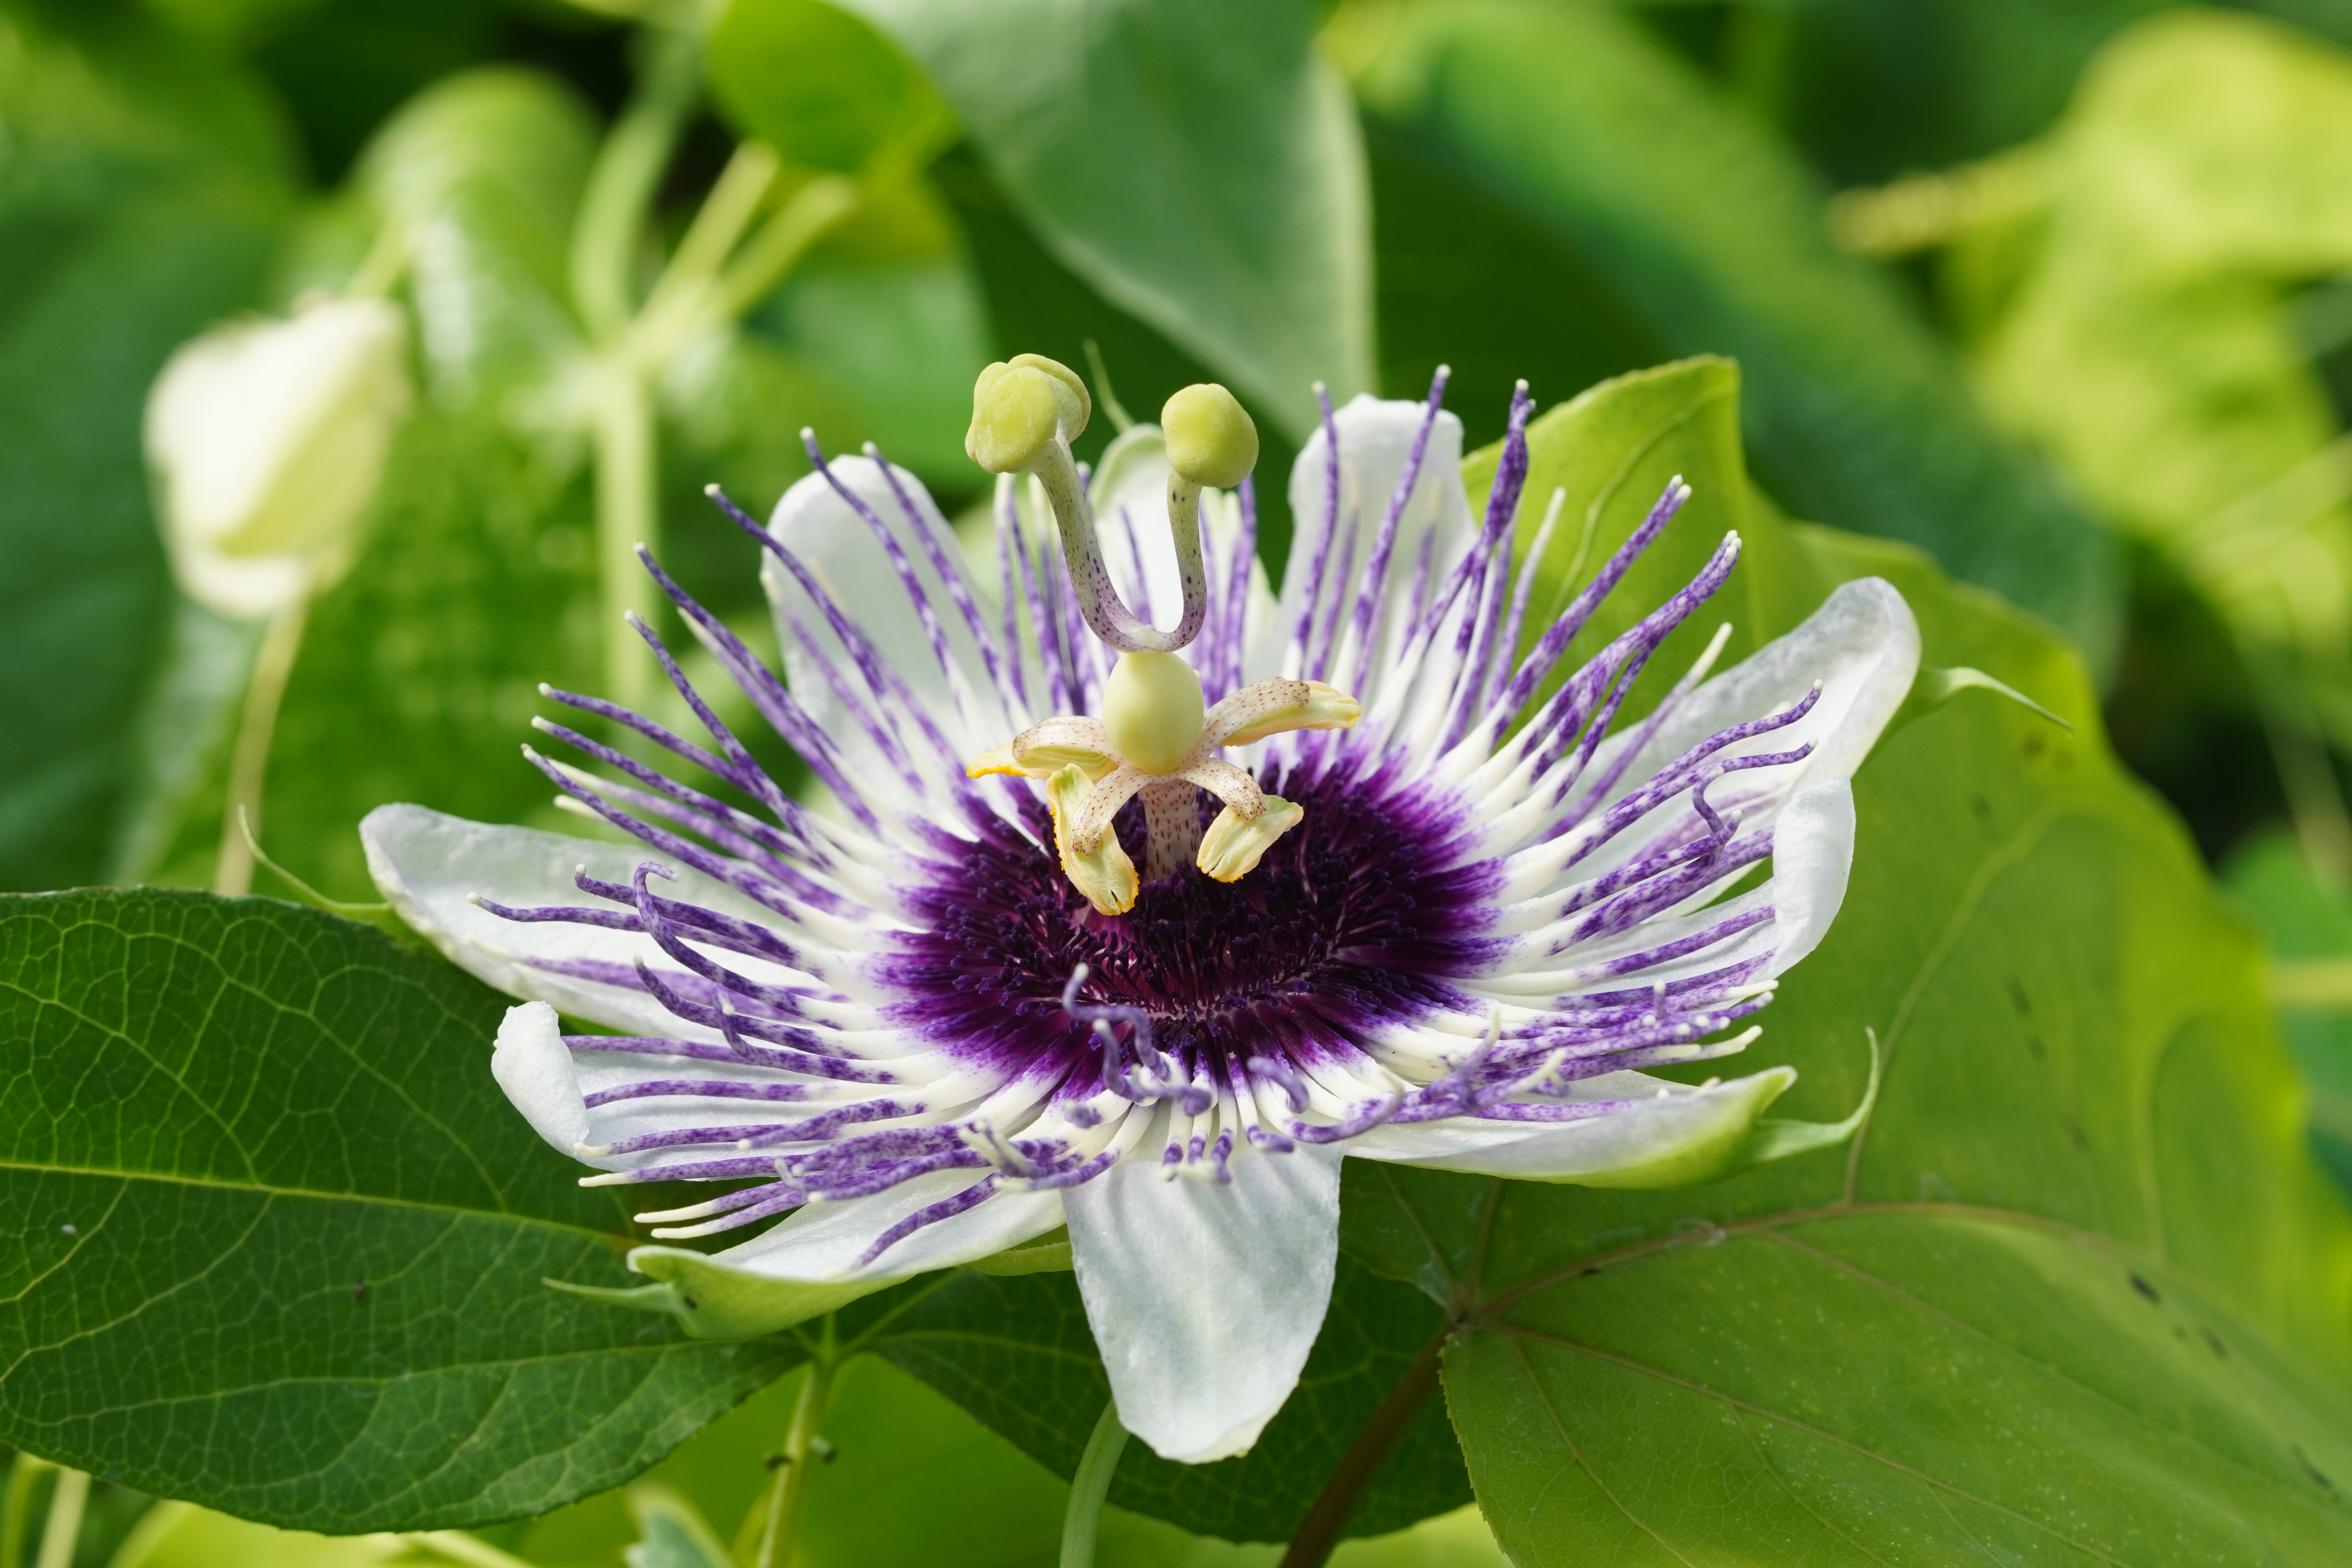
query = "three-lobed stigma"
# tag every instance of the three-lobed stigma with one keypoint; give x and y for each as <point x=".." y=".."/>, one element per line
<point x="1155" y="737"/>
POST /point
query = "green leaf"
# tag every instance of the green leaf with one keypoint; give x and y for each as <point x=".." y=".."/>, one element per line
<point x="143" y="192"/>
<point x="1017" y="1354"/>
<point x="280" y="1243"/>
<point x="1713" y="232"/>
<point x="821" y="86"/>
<point x="1194" y="161"/>
<point x="876" y="337"/>
<point x="2075" y="1290"/>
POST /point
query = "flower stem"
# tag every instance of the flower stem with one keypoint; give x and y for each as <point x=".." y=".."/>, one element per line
<point x="249" y="763"/>
<point x="1089" y="1487"/>
<point x="800" y="1442"/>
<point x="627" y="172"/>
<point x="606" y="241"/>
<point x="63" y="1526"/>
<point x="628" y="512"/>
<point x="1319" y="1533"/>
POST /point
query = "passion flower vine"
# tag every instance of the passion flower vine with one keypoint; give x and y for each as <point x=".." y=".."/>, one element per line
<point x="1403" y="897"/>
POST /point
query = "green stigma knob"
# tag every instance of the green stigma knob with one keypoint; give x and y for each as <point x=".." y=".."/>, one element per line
<point x="1153" y="710"/>
<point x="1019" y="407"/>
<point x="1211" y="441"/>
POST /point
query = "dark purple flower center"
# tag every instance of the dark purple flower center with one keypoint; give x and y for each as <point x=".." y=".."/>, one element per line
<point x="1358" y="917"/>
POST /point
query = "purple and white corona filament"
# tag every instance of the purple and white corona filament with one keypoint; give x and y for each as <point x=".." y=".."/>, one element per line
<point x="924" y="1027"/>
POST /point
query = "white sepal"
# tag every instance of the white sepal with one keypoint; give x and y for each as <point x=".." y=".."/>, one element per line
<point x="1205" y="1297"/>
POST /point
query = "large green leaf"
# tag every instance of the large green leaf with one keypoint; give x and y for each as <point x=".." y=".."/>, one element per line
<point x="1195" y="161"/>
<point x="1571" y="116"/>
<point x="141" y="191"/>
<point x="2075" y="1292"/>
<point x="279" y="1243"/>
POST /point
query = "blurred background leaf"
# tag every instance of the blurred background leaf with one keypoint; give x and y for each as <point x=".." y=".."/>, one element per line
<point x="1710" y="233"/>
<point x="142" y="190"/>
<point x="1197" y="162"/>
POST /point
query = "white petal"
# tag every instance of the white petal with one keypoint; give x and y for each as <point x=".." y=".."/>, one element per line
<point x="841" y="551"/>
<point x="426" y="864"/>
<point x="823" y="1241"/>
<point x="1861" y="645"/>
<point x="1205" y="1299"/>
<point x="1376" y="441"/>
<point x="1673" y="1135"/>
<point x="533" y="1064"/>
<point x="1812" y="852"/>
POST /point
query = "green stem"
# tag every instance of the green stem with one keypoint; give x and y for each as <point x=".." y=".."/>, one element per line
<point x="800" y="1444"/>
<point x="63" y="1526"/>
<point x="613" y="212"/>
<point x="249" y="763"/>
<point x="17" y="1507"/>
<point x="1089" y="1487"/>
<point x="734" y="199"/>
<point x="628" y="512"/>
<point x="621" y="186"/>
<point x="777" y="246"/>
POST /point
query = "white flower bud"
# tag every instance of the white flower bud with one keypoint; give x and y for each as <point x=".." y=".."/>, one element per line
<point x="266" y="440"/>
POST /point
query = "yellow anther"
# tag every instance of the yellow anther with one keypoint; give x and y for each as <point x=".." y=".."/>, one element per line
<point x="1018" y="407"/>
<point x="999" y="761"/>
<point x="1278" y="707"/>
<point x="1152" y="709"/>
<point x="1235" y="844"/>
<point x="1104" y="873"/>
<point x="1040" y="757"/>
<point x="1211" y="439"/>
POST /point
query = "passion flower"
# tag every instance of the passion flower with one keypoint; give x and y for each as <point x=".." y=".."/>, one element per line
<point x="1398" y="902"/>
